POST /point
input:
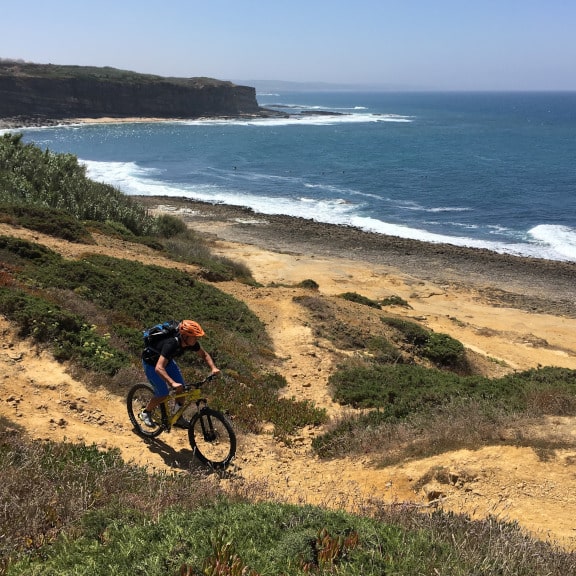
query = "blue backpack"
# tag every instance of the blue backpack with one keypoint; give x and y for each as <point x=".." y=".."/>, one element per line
<point x="155" y="334"/>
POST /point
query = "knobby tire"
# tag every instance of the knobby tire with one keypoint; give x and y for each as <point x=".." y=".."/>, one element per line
<point x="137" y="399"/>
<point x="212" y="438"/>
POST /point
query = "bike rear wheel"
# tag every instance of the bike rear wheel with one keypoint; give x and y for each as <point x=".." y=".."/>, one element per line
<point x="212" y="438"/>
<point x="137" y="399"/>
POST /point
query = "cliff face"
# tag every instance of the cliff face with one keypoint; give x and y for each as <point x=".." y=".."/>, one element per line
<point x="59" y="92"/>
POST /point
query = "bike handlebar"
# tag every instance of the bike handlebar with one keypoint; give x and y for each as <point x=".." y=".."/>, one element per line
<point x="208" y="378"/>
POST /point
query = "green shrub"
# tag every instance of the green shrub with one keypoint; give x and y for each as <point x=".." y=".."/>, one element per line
<point x="257" y="400"/>
<point x="411" y="332"/>
<point x="221" y="537"/>
<point x="412" y="396"/>
<point x="31" y="176"/>
<point x="308" y="284"/>
<point x="382" y="350"/>
<point x="394" y="301"/>
<point x="444" y="350"/>
<point x="359" y="299"/>
<point x="168" y="225"/>
<point x="397" y="389"/>
<point x="79" y="491"/>
<point x="69" y="337"/>
<point x="49" y="221"/>
<point x="193" y="249"/>
<point x="21" y="252"/>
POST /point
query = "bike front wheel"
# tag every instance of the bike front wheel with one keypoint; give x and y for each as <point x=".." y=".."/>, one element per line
<point x="137" y="399"/>
<point x="212" y="438"/>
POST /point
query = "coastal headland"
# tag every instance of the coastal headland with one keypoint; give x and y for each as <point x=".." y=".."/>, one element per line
<point x="41" y="94"/>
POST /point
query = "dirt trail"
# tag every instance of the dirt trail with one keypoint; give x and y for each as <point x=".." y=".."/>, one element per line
<point x="512" y="483"/>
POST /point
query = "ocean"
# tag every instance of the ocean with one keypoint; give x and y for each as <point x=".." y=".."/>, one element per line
<point x="484" y="170"/>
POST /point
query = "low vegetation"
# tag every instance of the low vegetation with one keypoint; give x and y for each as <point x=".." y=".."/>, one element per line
<point x="50" y="193"/>
<point x="359" y="299"/>
<point x="31" y="176"/>
<point x="104" y="73"/>
<point x="78" y="509"/>
<point x="419" y="412"/>
<point x="416" y="393"/>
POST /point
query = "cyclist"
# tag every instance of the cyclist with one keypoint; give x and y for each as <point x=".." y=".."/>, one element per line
<point x="164" y="373"/>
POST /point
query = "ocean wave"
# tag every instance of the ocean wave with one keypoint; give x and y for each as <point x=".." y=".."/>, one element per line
<point x="544" y="241"/>
<point x="561" y="239"/>
<point x="448" y="209"/>
<point x="300" y="120"/>
<point x="548" y="252"/>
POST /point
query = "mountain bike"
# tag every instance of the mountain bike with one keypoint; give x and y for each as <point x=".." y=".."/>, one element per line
<point x="210" y="433"/>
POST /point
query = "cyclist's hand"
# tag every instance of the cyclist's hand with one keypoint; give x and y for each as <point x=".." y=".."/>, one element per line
<point x="212" y="375"/>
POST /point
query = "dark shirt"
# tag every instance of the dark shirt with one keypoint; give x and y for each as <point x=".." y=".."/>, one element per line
<point x="170" y="348"/>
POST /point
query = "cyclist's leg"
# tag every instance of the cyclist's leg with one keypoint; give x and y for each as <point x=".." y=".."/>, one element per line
<point x="175" y="373"/>
<point x="161" y="389"/>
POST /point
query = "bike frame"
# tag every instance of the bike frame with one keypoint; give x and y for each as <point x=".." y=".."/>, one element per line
<point x="186" y="399"/>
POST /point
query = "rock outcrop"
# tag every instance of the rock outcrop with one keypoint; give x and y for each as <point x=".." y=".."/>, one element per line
<point x="51" y="92"/>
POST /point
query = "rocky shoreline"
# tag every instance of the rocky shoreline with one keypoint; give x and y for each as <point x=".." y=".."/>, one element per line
<point x="23" y="122"/>
<point x="543" y="286"/>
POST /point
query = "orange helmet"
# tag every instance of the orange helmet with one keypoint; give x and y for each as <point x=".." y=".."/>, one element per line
<point x="190" y="328"/>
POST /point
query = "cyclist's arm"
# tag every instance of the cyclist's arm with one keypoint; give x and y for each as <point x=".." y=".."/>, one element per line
<point x="208" y="359"/>
<point x="160" y="369"/>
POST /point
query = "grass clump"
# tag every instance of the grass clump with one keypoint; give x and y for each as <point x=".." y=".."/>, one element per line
<point x="444" y="350"/>
<point x="50" y="221"/>
<point x="169" y="226"/>
<point x="394" y="301"/>
<point x="327" y="324"/>
<point x="69" y="336"/>
<point x="191" y="248"/>
<point x="53" y="489"/>
<point x="411" y="332"/>
<point x="399" y="390"/>
<point x="308" y="284"/>
<point x="441" y="349"/>
<point x="50" y="193"/>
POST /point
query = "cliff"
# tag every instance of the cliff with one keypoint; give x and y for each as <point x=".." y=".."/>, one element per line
<point x="51" y="92"/>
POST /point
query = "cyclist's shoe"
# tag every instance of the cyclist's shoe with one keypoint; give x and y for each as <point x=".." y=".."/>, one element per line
<point x="181" y="422"/>
<point x="146" y="418"/>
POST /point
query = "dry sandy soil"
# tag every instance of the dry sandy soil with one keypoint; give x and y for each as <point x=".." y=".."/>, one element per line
<point x="511" y="483"/>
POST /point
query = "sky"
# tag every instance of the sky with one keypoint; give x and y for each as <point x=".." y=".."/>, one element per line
<point x="394" y="44"/>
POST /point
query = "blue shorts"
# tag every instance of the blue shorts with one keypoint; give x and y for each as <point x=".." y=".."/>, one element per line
<point x="160" y="387"/>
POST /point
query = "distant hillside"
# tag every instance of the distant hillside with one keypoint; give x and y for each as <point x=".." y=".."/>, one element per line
<point x="48" y="91"/>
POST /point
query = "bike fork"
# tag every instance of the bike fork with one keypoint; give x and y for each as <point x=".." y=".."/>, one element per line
<point x="207" y="428"/>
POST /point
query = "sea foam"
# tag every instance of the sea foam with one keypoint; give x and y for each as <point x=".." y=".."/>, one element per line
<point x="550" y="242"/>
